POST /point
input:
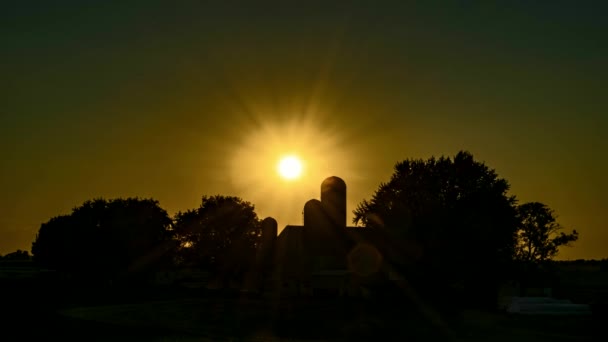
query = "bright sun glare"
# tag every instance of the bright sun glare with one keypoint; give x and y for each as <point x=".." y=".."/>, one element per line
<point x="279" y="164"/>
<point x="290" y="167"/>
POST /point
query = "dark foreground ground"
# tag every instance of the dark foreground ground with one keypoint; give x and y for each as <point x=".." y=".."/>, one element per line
<point x="39" y="308"/>
<point x="197" y="316"/>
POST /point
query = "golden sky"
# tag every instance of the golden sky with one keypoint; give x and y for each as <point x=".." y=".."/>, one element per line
<point x="175" y="101"/>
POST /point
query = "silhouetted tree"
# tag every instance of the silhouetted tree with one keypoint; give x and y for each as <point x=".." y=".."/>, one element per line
<point x="17" y="255"/>
<point x="105" y="238"/>
<point x="539" y="235"/>
<point x="456" y="213"/>
<point x="56" y="245"/>
<point x="223" y="230"/>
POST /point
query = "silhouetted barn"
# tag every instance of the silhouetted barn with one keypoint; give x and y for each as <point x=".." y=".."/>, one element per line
<point x="324" y="256"/>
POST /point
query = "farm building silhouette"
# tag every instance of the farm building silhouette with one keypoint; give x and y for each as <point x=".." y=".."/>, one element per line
<point x="322" y="256"/>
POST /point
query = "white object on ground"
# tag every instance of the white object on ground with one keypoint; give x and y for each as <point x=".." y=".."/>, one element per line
<point x="546" y="306"/>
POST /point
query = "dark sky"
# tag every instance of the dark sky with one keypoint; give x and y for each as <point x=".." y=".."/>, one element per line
<point x="178" y="99"/>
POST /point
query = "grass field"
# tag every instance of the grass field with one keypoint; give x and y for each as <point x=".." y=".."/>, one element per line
<point x="34" y="310"/>
<point x="257" y="320"/>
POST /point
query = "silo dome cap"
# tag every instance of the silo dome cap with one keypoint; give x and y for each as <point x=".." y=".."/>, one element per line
<point x="333" y="181"/>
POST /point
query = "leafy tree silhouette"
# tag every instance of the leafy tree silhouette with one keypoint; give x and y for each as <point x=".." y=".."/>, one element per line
<point x="17" y="255"/>
<point x="222" y="233"/>
<point x="457" y="214"/>
<point x="105" y="239"/>
<point x="539" y="235"/>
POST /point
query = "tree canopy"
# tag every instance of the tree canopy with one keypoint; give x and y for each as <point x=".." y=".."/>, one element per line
<point x="456" y="211"/>
<point x="105" y="238"/>
<point x="221" y="229"/>
<point x="539" y="234"/>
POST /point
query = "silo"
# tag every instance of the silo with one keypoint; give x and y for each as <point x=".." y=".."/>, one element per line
<point x="317" y="229"/>
<point x="268" y="240"/>
<point x="269" y="231"/>
<point x="333" y="200"/>
<point x="257" y="276"/>
<point x="313" y="214"/>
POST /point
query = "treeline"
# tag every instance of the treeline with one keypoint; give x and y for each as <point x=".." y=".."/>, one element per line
<point x="131" y="239"/>
<point x="17" y="255"/>
<point x="594" y="262"/>
<point x="601" y="264"/>
<point x="450" y="222"/>
<point x="456" y="231"/>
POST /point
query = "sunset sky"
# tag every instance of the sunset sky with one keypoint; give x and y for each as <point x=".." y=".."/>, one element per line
<point x="179" y="99"/>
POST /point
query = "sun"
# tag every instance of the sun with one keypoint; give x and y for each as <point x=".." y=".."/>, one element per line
<point x="290" y="167"/>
